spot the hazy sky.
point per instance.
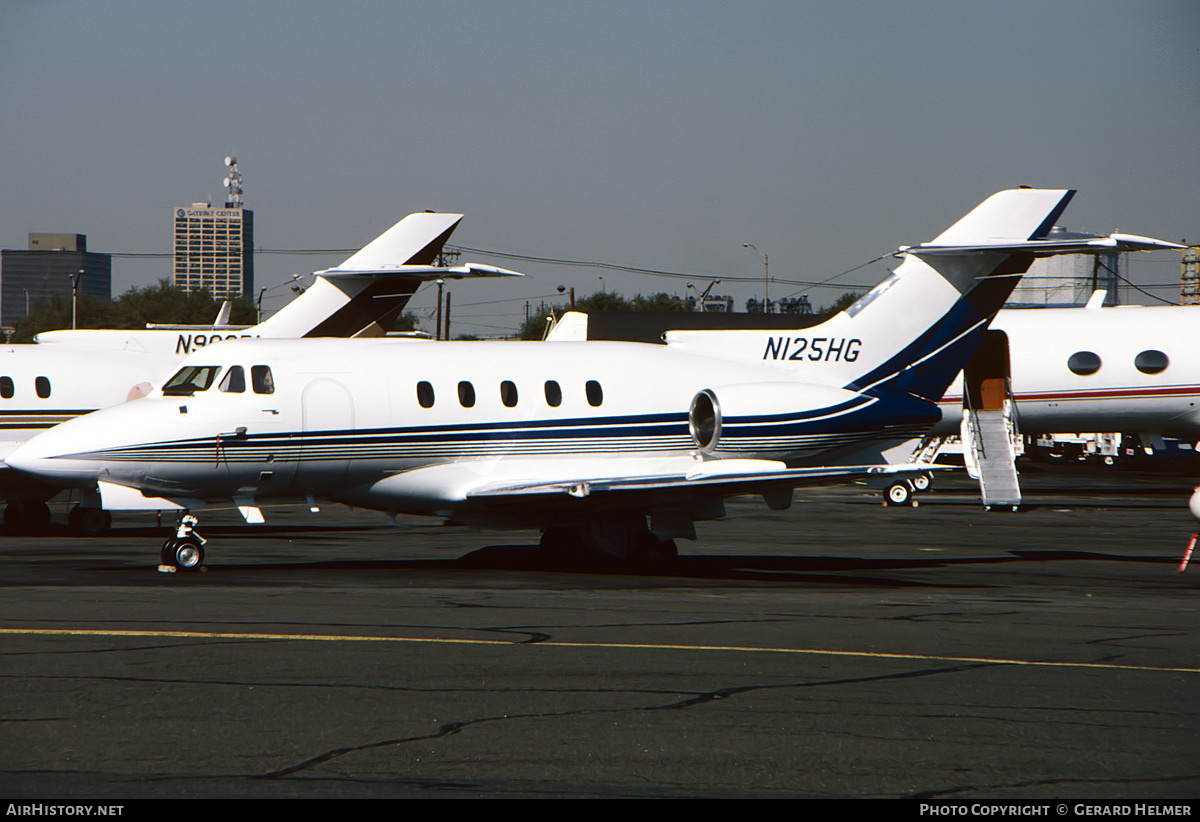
(659, 135)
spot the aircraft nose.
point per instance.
(56, 455)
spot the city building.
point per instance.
(50, 266)
(214, 247)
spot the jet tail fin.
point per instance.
(365, 293)
(915, 330)
(415, 240)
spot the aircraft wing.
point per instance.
(740, 476)
(523, 480)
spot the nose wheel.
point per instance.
(185, 550)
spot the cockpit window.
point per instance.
(190, 379)
(261, 379)
(235, 381)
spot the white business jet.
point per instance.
(583, 440)
(1129, 369)
(69, 373)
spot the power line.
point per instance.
(657, 272)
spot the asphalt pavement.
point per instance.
(837, 649)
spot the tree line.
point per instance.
(535, 326)
(162, 303)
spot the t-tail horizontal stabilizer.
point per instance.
(915, 331)
(360, 297)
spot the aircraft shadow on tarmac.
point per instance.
(848, 570)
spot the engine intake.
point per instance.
(704, 420)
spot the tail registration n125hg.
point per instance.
(613, 449)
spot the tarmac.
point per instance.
(837, 649)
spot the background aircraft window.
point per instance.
(1083, 363)
(425, 394)
(553, 394)
(235, 381)
(42, 386)
(508, 393)
(1151, 362)
(261, 379)
(6, 387)
(466, 394)
(190, 379)
(595, 393)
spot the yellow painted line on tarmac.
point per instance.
(638, 646)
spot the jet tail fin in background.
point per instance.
(365, 293)
(415, 240)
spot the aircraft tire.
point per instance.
(27, 516)
(92, 522)
(922, 482)
(899, 493)
(656, 552)
(186, 554)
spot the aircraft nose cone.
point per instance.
(49, 456)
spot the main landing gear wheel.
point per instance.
(27, 516)
(89, 521)
(621, 543)
(899, 493)
(921, 482)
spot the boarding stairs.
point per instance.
(988, 437)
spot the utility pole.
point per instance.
(437, 335)
(74, 294)
(766, 277)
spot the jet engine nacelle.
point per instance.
(766, 403)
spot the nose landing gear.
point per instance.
(185, 550)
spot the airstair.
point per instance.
(988, 430)
(987, 437)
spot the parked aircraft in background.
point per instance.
(583, 440)
(69, 373)
(1129, 369)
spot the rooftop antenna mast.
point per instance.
(233, 184)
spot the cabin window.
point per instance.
(425, 394)
(1083, 363)
(6, 388)
(42, 386)
(261, 379)
(553, 394)
(466, 394)
(595, 394)
(190, 379)
(508, 393)
(1151, 362)
(235, 381)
